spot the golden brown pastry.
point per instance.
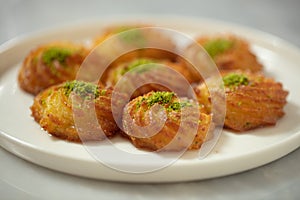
(54, 110)
(132, 42)
(110, 31)
(252, 100)
(165, 135)
(50, 64)
(150, 70)
(230, 53)
(145, 64)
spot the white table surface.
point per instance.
(20, 179)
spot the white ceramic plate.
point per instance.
(233, 153)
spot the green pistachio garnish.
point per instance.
(138, 66)
(234, 80)
(133, 36)
(121, 29)
(162, 98)
(56, 53)
(84, 89)
(176, 106)
(166, 99)
(217, 46)
(134, 64)
(103, 92)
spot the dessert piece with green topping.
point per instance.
(217, 46)
(161, 98)
(137, 66)
(144, 75)
(252, 100)
(51, 64)
(56, 53)
(83, 89)
(230, 52)
(162, 121)
(87, 116)
(165, 99)
(177, 106)
(142, 63)
(234, 80)
(133, 37)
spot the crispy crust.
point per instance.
(239, 56)
(52, 109)
(35, 76)
(163, 46)
(162, 79)
(168, 138)
(250, 106)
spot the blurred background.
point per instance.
(277, 180)
(277, 17)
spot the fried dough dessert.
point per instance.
(143, 70)
(57, 107)
(230, 53)
(134, 41)
(111, 30)
(168, 135)
(116, 74)
(50, 64)
(252, 100)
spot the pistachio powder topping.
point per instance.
(134, 64)
(83, 89)
(234, 80)
(217, 46)
(56, 53)
(165, 99)
(133, 36)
